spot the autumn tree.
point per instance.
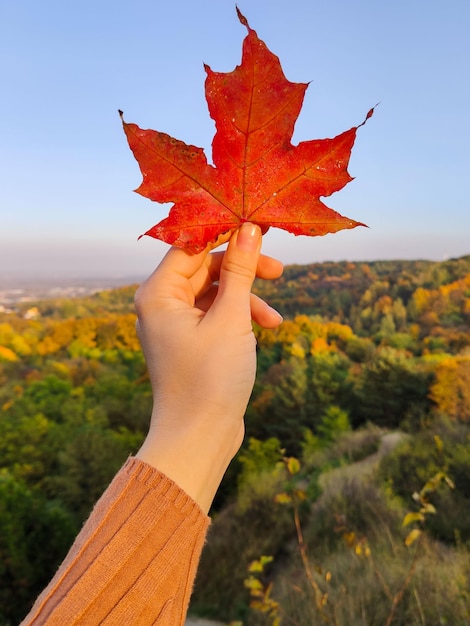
(451, 389)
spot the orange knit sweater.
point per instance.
(135, 560)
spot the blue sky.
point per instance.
(67, 175)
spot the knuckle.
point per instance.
(143, 301)
(239, 268)
(139, 300)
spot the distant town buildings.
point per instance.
(13, 296)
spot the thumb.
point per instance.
(238, 272)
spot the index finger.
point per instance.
(170, 283)
(268, 268)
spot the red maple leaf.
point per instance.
(258, 175)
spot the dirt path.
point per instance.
(332, 479)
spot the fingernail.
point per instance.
(248, 237)
(281, 319)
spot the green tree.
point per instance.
(333, 423)
(87, 463)
(390, 388)
(34, 536)
(328, 383)
(278, 409)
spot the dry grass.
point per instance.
(360, 584)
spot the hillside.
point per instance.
(365, 349)
(337, 289)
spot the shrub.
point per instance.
(413, 462)
(438, 592)
(239, 535)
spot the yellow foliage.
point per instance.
(384, 305)
(412, 536)
(6, 332)
(412, 517)
(126, 332)
(20, 345)
(47, 346)
(282, 498)
(264, 337)
(260, 564)
(318, 330)
(421, 298)
(288, 332)
(319, 345)
(86, 332)
(296, 350)
(11, 338)
(350, 538)
(430, 304)
(6, 354)
(451, 389)
(293, 465)
(303, 322)
(63, 333)
(343, 332)
(460, 285)
(61, 368)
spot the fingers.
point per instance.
(267, 269)
(169, 284)
(237, 273)
(264, 315)
(183, 278)
(261, 313)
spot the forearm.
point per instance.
(135, 559)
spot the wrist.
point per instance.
(195, 457)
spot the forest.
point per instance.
(349, 502)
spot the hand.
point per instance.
(194, 323)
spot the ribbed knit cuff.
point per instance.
(135, 559)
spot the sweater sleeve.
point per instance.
(135, 559)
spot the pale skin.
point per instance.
(194, 323)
